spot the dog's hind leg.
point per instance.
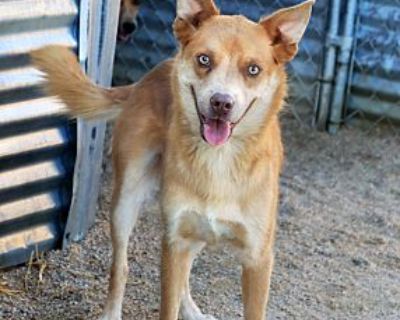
(133, 187)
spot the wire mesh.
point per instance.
(154, 42)
(373, 92)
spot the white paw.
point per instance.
(190, 311)
(207, 317)
(197, 316)
(107, 316)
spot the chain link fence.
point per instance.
(373, 89)
(364, 74)
(154, 41)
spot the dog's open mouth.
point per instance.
(215, 131)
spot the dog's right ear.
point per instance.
(190, 14)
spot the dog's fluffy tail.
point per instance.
(66, 80)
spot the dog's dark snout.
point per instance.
(128, 27)
(221, 103)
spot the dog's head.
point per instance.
(230, 68)
(127, 18)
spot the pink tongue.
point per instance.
(216, 132)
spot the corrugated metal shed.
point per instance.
(37, 144)
(43, 165)
(154, 42)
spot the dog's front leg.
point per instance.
(255, 286)
(189, 310)
(175, 269)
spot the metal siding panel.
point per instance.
(154, 42)
(31, 142)
(374, 86)
(19, 209)
(96, 51)
(31, 110)
(18, 246)
(37, 144)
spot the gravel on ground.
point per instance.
(337, 247)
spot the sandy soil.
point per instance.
(337, 249)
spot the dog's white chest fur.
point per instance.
(210, 225)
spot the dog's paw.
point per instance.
(207, 317)
(198, 316)
(110, 317)
(190, 311)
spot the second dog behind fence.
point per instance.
(127, 23)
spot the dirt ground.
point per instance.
(337, 248)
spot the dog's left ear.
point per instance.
(286, 27)
(190, 14)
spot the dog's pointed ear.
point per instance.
(190, 14)
(286, 27)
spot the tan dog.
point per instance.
(203, 126)
(127, 23)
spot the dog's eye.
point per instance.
(204, 60)
(253, 70)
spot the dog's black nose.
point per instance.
(221, 103)
(128, 27)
